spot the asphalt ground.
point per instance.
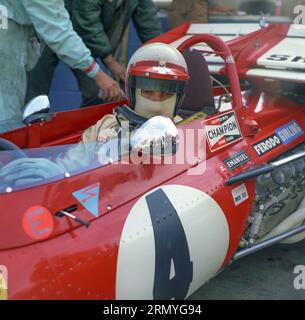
(265, 275)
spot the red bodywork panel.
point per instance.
(76, 262)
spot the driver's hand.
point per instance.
(28, 170)
(109, 89)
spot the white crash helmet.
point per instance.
(156, 67)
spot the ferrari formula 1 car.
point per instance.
(158, 230)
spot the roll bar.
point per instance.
(221, 48)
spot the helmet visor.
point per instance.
(161, 85)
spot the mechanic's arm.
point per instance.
(146, 20)
(53, 24)
(87, 18)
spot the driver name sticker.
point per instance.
(236, 160)
(38, 222)
(89, 198)
(240, 194)
(222, 130)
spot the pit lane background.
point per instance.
(265, 275)
(64, 93)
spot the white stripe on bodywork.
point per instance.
(206, 230)
(296, 30)
(231, 29)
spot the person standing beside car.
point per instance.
(194, 11)
(101, 24)
(20, 49)
(159, 94)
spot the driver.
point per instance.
(156, 79)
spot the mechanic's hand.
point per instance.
(118, 71)
(28, 170)
(110, 89)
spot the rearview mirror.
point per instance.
(158, 136)
(36, 109)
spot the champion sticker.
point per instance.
(289, 132)
(236, 160)
(222, 130)
(89, 198)
(267, 145)
(38, 222)
(240, 194)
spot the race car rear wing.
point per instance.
(276, 51)
(226, 32)
(285, 60)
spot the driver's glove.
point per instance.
(28, 170)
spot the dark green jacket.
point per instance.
(101, 24)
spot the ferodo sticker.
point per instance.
(240, 194)
(289, 132)
(222, 130)
(267, 145)
(236, 160)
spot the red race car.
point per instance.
(125, 230)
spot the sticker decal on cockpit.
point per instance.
(240, 194)
(289, 132)
(222, 130)
(89, 198)
(38, 223)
